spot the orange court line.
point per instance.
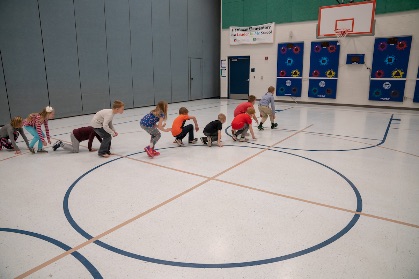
(319, 204)
(14, 156)
(278, 194)
(398, 151)
(62, 255)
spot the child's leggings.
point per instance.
(36, 138)
(155, 134)
(5, 142)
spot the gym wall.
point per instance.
(255, 12)
(353, 81)
(79, 56)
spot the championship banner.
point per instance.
(259, 34)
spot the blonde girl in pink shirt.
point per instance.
(33, 125)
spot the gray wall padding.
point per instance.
(179, 50)
(161, 50)
(60, 44)
(23, 58)
(79, 56)
(142, 52)
(91, 38)
(4, 105)
(119, 51)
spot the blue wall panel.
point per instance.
(289, 69)
(389, 67)
(387, 90)
(416, 96)
(324, 68)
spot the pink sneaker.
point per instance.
(156, 153)
(149, 151)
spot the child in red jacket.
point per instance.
(241, 123)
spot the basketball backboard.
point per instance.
(357, 18)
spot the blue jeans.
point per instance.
(36, 138)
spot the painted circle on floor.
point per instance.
(85, 262)
(308, 250)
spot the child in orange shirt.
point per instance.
(241, 123)
(179, 130)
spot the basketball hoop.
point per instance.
(341, 34)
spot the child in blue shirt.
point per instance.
(152, 123)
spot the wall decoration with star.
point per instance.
(289, 69)
(389, 68)
(324, 66)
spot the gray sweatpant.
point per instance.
(74, 146)
(243, 130)
(154, 133)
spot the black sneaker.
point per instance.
(204, 140)
(274, 126)
(57, 145)
(260, 127)
(42, 151)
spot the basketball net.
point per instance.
(341, 34)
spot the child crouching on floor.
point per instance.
(213, 131)
(179, 130)
(10, 132)
(241, 123)
(152, 123)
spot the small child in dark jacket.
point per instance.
(213, 131)
(77, 136)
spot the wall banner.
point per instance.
(259, 34)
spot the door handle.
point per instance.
(247, 80)
(191, 78)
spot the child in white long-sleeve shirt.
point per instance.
(102, 124)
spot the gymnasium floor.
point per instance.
(332, 193)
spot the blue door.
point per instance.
(238, 78)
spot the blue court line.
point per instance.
(93, 271)
(326, 242)
(327, 150)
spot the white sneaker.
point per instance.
(179, 142)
